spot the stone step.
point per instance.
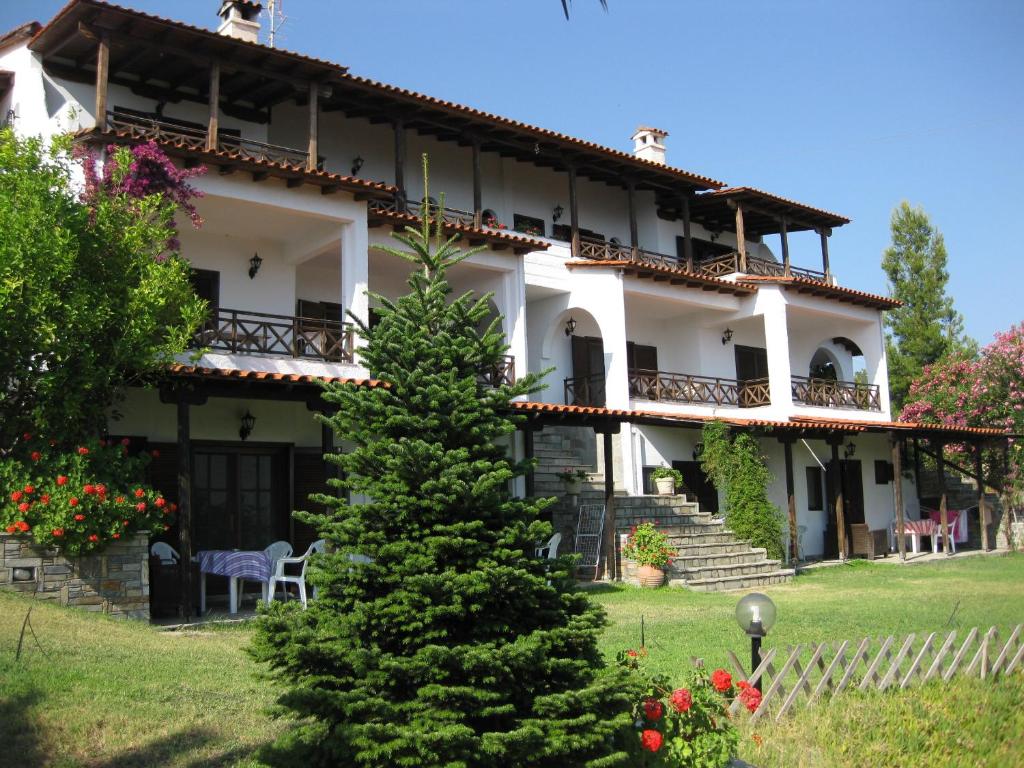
(681, 565)
(691, 539)
(726, 584)
(678, 500)
(728, 571)
(667, 524)
(705, 550)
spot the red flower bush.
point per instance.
(749, 696)
(681, 700)
(722, 680)
(62, 499)
(651, 740)
(653, 709)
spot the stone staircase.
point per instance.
(709, 557)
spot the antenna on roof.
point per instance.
(275, 9)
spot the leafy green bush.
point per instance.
(647, 545)
(735, 464)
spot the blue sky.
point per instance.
(849, 106)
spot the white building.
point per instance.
(660, 298)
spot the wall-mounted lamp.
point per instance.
(248, 422)
(357, 163)
(570, 326)
(698, 451)
(850, 450)
(556, 214)
(727, 336)
(254, 265)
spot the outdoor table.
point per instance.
(234, 564)
(915, 529)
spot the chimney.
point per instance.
(241, 20)
(649, 144)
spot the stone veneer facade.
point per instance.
(115, 581)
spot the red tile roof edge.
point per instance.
(735, 191)
(838, 291)
(536, 245)
(180, 369)
(735, 287)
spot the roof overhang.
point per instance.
(472, 236)
(810, 287)
(763, 213)
(667, 275)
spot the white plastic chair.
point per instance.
(275, 552)
(550, 550)
(280, 577)
(951, 519)
(167, 554)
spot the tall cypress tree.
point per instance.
(455, 646)
(927, 327)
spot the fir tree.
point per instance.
(927, 327)
(455, 646)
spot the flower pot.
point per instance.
(666, 486)
(572, 487)
(650, 576)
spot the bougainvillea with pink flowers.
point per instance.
(982, 391)
(79, 498)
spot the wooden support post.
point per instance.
(314, 122)
(741, 241)
(982, 512)
(943, 508)
(400, 196)
(184, 455)
(837, 487)
(687, 237)
(824, 233)
(574, 213)
(608, 539)
(213, 125)
(634, 236)
(478, 193)
(897, 490)
(784, 236)
(102, 78)
(794, 548)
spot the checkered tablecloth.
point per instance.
(253, 566)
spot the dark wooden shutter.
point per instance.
(751, 363)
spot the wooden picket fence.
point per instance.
(817, 672)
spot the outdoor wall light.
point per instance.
(850, 450)
(727, 336)
(698, 451)
(755, 614)
(254, 265)
(556, 214)
(570, 326)
(357, 163)
(248, 422)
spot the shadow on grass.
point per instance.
(174, 748)
(601, 588)
(19, 731)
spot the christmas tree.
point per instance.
(454, 645)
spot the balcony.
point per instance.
(501, 375)
(698, 390)
(604, 250)
(585, 390)
(828, 393)
(729, 264)
(452, 216)
(258, 333)
(190, 137)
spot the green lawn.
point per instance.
(116, 694)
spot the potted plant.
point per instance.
(667, 480)
(648, 548)
(572, 477)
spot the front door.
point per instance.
(239, 497)
(849, 474)
(587, 371)
(699, 484)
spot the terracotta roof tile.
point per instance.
(178, 369)
(490, 234)
(730, 192)
(817, 287)
(691, 279)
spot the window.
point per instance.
(751, 363)
(528, 225)
(641, 357)
(206, 284)
(884, 473)
(815, 486)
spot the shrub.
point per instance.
(78, 499)
(647, 545)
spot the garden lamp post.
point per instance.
(755, 614)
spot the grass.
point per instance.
(103, 693)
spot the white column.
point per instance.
(776, 335)
(355, 272)
(513, 300)
(881, 378)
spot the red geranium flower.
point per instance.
(653, 709)
(722, 680)
(79, 517)
(139, 493)
(62, 479)
(93, 537)
(115, 536)
(101, 488)
(36, 455)
(73, 501)
(632, 654)
(174, 507)
(155, 453)
(124, 523)
(26, 436)
(45, 498)
(22, 526)
(651, 740)
(12, 528)
(120, 499)
(89, 488)
(24, 506)
(141, 506)
(30, 489)
(16, 496)
(125, 441)
(161, 502)
(751, 698)
(57, 532)
(82, 450)
(681, 700)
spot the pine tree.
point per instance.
(927, 327)
(455, 646)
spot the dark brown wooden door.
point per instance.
(849, 474)
(588, 370)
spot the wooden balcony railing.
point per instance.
(501, 375)
(704, 390)
(585, 390)
(259, 333)
(828, 393)
(450, 215)
(729, 263)
(603, 250)
(140, 127)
